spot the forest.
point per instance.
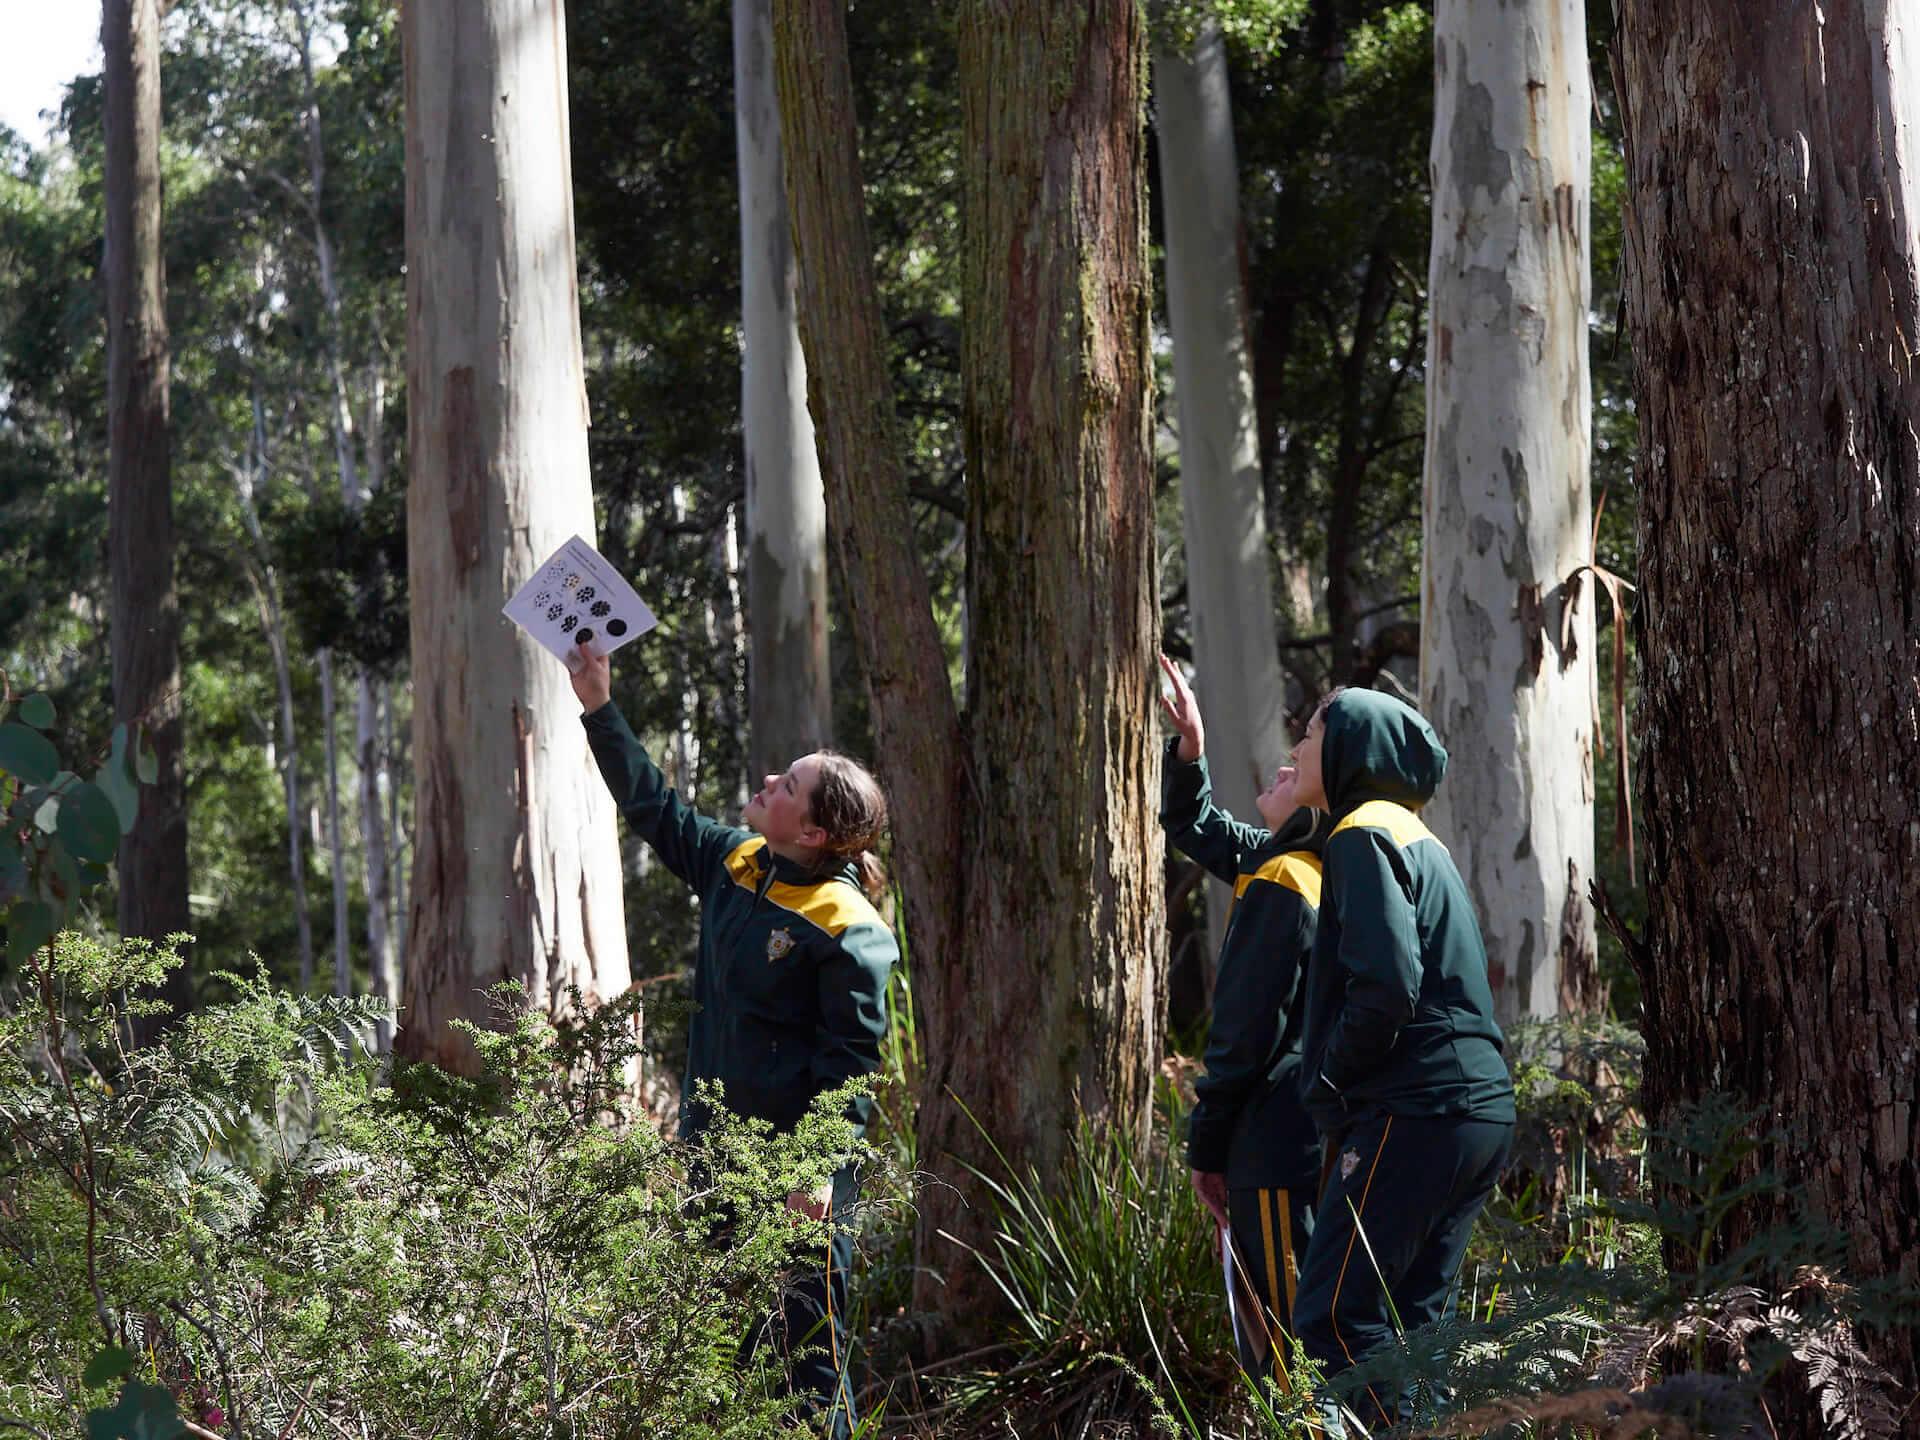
(1544, 372)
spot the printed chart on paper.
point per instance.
(576, 595)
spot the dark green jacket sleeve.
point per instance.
(853, 1010)
(687, 842)
(1267, 940)
(1198, 828)
(1370, 890)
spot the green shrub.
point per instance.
(290, 1243)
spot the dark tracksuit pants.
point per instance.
(1415, 1184)
(808, 1329)
(1270, 1231)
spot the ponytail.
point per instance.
(850, 806)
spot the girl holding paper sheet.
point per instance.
(791, 981)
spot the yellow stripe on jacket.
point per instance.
(1297, 870)
(1401, 824)
(834, 905)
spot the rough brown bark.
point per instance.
(1772, 296)
(146, 606)
(1034, 907)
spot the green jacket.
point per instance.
(1247, 1120)
(791, 981)
(1399, 1015)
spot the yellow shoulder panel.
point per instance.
(1297, 870)
(1401, 824)
(740, 862)
(833, 905)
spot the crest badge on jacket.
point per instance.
(778, 944)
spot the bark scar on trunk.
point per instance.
(466, 474)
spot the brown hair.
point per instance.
(849, 805)
(1320, 710)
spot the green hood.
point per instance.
(1377, 748)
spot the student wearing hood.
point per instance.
(1254, 1156)
(1403, 1066)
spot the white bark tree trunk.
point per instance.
(247, 477)
(788, 678)
(376, 781)
(1229, 579)
(1507, 519)
(516, 860)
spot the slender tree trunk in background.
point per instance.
(1229, 581)
(376, 781)
(787, 671)
(354, 497)
(1771, 264)
(1506, 672)
(247, 479)
(516, 859)
(336, 849)
(145, 625)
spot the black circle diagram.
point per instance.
(616, 628)
(584, 636)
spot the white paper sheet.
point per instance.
(575, 595)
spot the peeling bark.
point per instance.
(516, 861)
(1506, 673)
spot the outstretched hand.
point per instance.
(1184, 712)
(592, 677)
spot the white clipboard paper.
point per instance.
(576, 595)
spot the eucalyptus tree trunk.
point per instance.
(1771, 287)
(247, 478)
(145, 616)
(1506, 659)
(1033, 885)
(340, 412)
(788, 679)
(1229, 580)
(373, 758)
(516, 863)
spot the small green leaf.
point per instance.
(89, 825)
(28, 754)
(108, 1366)
(59, 877)
(146, 764)
(120, 791)
(37, 711)
(47, 815)
(30, 924)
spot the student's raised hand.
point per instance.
(1184, 712)
(592, 677)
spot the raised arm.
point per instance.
(1197, 827)
(689, 844)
